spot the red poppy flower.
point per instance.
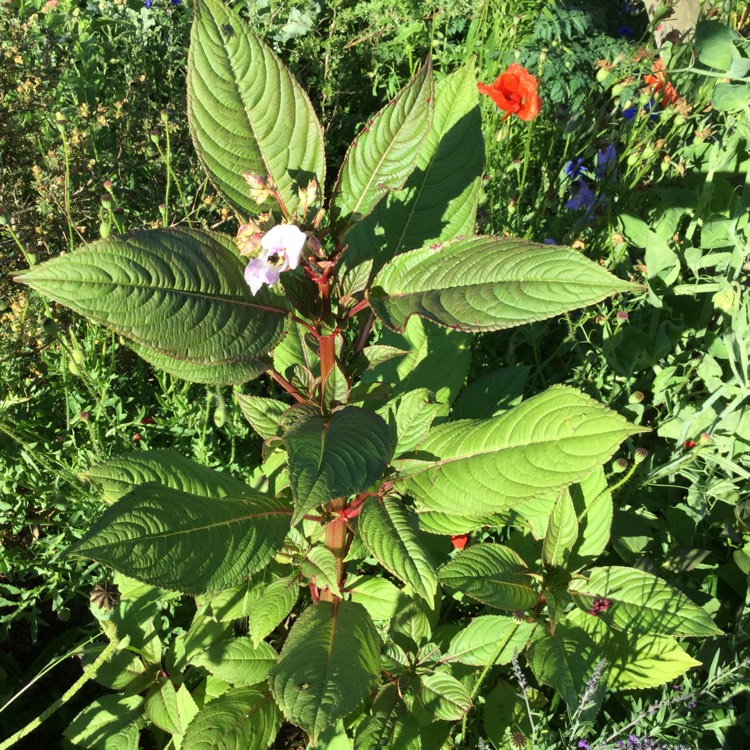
(657, 81)
(459, 541)
(514, 91)
(690, 444)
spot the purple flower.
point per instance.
(626, 31)
(606, 161)
(576, 169)
(583, 744)
(583, 197)
(549, 241)
(148, 3)
(281, 249)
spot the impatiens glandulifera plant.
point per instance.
(337, 554)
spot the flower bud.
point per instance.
(704, 439)
(619, 465)
(107, 185)
(641, 454)
(154, 135)
(622, 316)
(261, 189)
(315, 247)
(636, 397)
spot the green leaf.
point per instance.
(244, 718)
(337, 457)
(439, 200)
(171, 709)
(237, 660)
(378, 596)
(443, 696)
(234, 603)
(564, 660)
(478, 467)
(385, 152)
(109, 723)
(488, 283)
(413, 415)
(634, 661)
(730, 97)
(429, 348)
(389, 531)
(562, 532)
(320, 564)
(492, 394)
(492, 574)
(715, 44)
(327, 665)
(595, 510)
(641, 603)
(186, 542)
(117, 476)
(389, 726)
(262, 413)
(276, 602)
(294, 352)
(489, 639)
(122, 670)
(178, 294)
(247, 113)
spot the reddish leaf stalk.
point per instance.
(286, 385)
(336, 541)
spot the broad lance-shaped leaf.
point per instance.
(476, 468)
(178, 294)
(117, 476)
(389, 531)
(390, 724)
(245, 717)
(383, 155)
(276, 602)
(562, 531)
(171, 709)
(641, 603)
(185, 542)
(439, 200)
(237, 660)
(492, 574)
(327, 666)
(489, 639)
(335, 458)
(247, 113)
(444, 697)
(488, 283)
(633, 661)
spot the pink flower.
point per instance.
(281, 249)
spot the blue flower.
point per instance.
(626, 31)
(583, 197)
(148, 3)
(576, 169)
(549, 241)
(606, 161)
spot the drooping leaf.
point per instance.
(488, 283)
(185, 542)
(389, 532)
(444, 697)
(245, 717)
(492, 574)
(489, 639)
(478, 467)
(117, 476)
(337, 457)
(639, 603)
(233, 603)
(384, 154)
(327, 666)
(714, 43)
(111, 722)
(171, 709)
(247, 113)
(272, 607)
(389, 726)
(178, 294)
(294, 352)
(562, 531)
(439, 200)
(123, 670)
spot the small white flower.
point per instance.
(281, 249)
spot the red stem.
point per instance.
(287, 386)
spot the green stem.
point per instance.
(87, 675)
(66, 154)
(482, 677)
(170, 173)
